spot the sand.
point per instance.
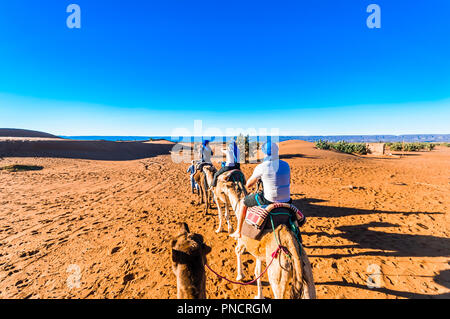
(18, 133)
(103, 212)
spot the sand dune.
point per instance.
(11, 132)
(107, 222)
(94, 150)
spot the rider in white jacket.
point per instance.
(275, 175)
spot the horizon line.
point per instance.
(310, 135)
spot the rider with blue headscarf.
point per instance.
(232, 155)
(205, 153)
(275, 175)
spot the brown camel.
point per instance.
(289, 277)
(188, 254)
(204, 179)
(229, 193)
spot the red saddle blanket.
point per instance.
(257, 218)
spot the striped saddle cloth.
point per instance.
(256, 220)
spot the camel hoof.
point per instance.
(239, 277)
(218, 230)
(258, 297)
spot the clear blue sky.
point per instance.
(147, 67)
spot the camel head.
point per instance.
(188, 262)
(209, 171)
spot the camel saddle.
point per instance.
(199, 166)
(260, 218)
(234, 175)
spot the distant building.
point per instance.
(376, 148)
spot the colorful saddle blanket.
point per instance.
(257, 219)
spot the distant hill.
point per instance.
(436, 138)
(12, 132)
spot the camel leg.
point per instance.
(205, 191)
(239, 250)
(258, 282)
(200, 194)
(219, 209)
(309, 289)
(227, 217)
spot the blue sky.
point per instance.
(148, 67)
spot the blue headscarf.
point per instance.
(204, 143)
(270, 150)
(232, 146)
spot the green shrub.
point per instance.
(250, 148)
(21, 168)
(344, 147)
(323, 145)
(410, 147)
(395, 146)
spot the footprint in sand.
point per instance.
(115, 250)
(127, 278)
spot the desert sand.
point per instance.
(103, 213)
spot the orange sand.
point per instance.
(110, 209)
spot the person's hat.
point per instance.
(270, 149)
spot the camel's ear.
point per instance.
(206, 249)
(173, 242)
(198, 238)
(186, 227)
(181, 228)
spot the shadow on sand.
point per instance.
(312, 210)
(288, 156)
(365, 236)
(386, 244)
(401, 294)
(91, 150)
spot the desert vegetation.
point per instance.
(410, 147)
(344, 147)
(250, 148)
(21, 168)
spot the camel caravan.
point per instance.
(268, 226)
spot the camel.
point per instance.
(188, 252)
(204, 179)
(229, 193)
(289, 277)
